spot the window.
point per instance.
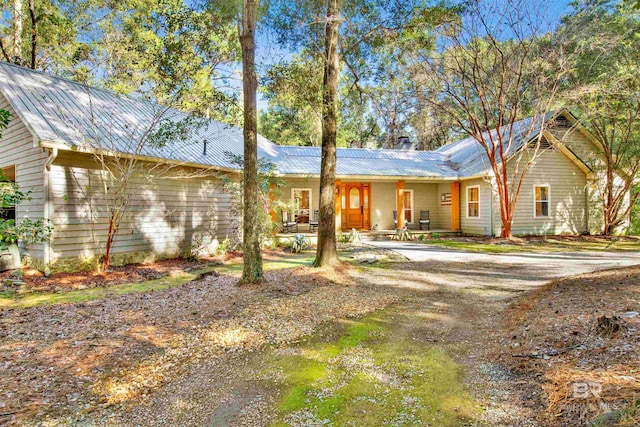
(8, 175)
(301, 204)
(541, 201)
(354, 198)
(473, 202)
(408, 206)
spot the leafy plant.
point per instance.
(403, 234)
(435, 235)
(343, 238)
(28, 230)
(223, 247)
(268, 183)
(300, 242)
(634, 228)
(352, 237)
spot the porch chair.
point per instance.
(288, 226)
(424, 219)
(314, 223)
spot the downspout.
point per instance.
(47, 208)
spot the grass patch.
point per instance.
(370, 374)
(14, 300)
(11, 299)
(539, 246)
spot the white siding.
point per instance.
(481, 225)
(568, 197)
(17, 149)
(163, 217)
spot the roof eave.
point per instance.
(84, 150)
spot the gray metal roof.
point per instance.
(468, 158)
(365, 162)
(74, 115)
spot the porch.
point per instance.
(371, 206)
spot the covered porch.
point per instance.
(387, 205)
(378, 206)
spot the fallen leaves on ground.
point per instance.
(555, 345)
(132, 273)
(74, 358)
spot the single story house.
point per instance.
(58, 126)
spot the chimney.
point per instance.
(404, 143)
(204, 149)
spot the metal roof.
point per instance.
(468, 158)
(78, 116)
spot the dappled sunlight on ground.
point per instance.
(207, 352)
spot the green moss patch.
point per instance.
(369, 373)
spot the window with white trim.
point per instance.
(408, 206)
(473, 202)
(301, 205)
(7, 179)
(541, 201)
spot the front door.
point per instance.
(355, 206)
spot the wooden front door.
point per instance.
(357, 205)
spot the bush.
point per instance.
(635, 216)
(28, 230)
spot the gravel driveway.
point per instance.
(515, 271)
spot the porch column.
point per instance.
(400, 203)
(338, 205)
(455, 206)
(272, 198)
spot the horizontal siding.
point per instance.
(568, 197)
(163, 216)
(427, 197)
(16, 149)
(482, 225)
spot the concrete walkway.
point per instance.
(516, 271)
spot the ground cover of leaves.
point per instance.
(36, 281)
(397, 343)
(413, 363)
(553, 342)
(66, 359)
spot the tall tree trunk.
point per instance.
(252, 271)
(34, 33)
(17, 32)
(327, 253)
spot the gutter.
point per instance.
(75, 149)
(47, 205)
